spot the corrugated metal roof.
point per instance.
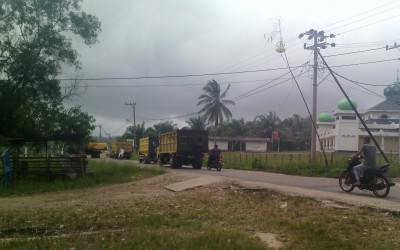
(386, 105)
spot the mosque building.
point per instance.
(343, 131)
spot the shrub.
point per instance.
(258, 164)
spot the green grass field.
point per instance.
(121, 208)
(103, 173)
(298, 163)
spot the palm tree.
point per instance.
(267, 123)
(130, 131)
(163, 127)
(198, 123)
(214, 109)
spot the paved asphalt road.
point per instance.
(310, 183)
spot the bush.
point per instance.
(258, 164)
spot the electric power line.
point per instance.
(355, 52)
(356, 64)
(367, 25)
(357, 15)
(167, 76)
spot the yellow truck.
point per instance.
(126, 146)
(148, 150)
(183, 147)
(94, 149)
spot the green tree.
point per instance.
(267, 123)
(129, 132)
(164, 127)
(234, 128)
(198, 123)
(151, 132)
(214, 105)
(35, 45)
(295, 133)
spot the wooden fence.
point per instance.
(49, 168)
(292, 157)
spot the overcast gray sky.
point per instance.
(146, 38)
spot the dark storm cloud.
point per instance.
(160, 38)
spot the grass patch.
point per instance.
(103, 173)
(332, 170)
(223, 217)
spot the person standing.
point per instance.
(7, 168)
(121, 153)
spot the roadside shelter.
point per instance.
(48, 157)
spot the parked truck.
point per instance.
(183, 147)
(126, 146)
(148, 150)
(94, 149)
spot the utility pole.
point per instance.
(319, 42)
(100, 139)
(395, 46)
(133, 104)
(109, 135)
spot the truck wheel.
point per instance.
(172, 163)
(175, 163)
(197, 164)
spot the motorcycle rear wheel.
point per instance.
(381, 187)
(345, 182)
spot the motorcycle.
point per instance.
(215, 163)
(375, 180)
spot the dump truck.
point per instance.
(148, 150)
(94, 149)
(127, 146)
(183, 147)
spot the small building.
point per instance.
(239, 143)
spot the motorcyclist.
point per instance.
(369, 153)
(214, 155)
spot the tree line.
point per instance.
(294, 132)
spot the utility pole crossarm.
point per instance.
(395, 46)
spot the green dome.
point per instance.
(345, 105)
(325, 117)
(392, 91)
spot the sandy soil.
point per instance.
(103, 195)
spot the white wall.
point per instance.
(347, 132)
(256, 146)
(221, 145)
